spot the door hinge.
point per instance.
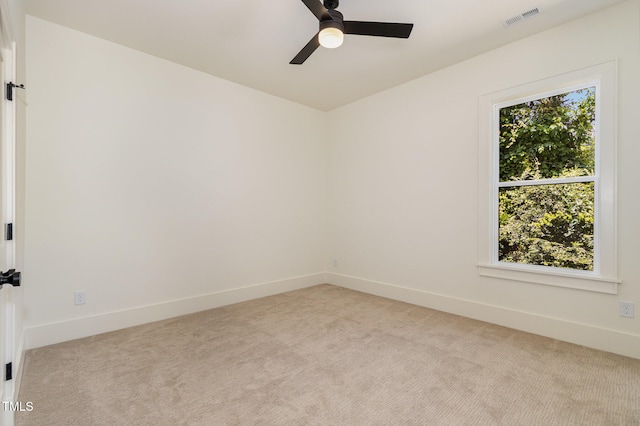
(8, 371)
(8, 231)
(10, 86)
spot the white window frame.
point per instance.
(604, 276)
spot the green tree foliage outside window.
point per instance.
(547, 223)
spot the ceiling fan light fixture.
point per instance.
(333, 27)
(331, 34)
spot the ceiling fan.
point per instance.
(333, 28)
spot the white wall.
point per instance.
(159, 190)
(403, 187)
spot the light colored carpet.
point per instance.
(326, 356)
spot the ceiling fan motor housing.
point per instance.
(336, 21)
(331, 24)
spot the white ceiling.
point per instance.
(251, 42)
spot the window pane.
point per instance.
(549, 225)
(548, 137)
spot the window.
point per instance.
(547, 181)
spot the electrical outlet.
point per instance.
(335, 263)
(80, 297)
(626, 309)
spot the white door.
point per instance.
(4, 293)
(7, 212)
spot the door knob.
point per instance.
(10, 277)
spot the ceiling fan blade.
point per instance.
(379, 29)
(306, 51)
(317, 8)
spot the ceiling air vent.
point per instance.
(522, 16)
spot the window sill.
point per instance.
(532, 274)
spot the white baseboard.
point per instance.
(48, 334)
(614, 341)
(608, 340)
